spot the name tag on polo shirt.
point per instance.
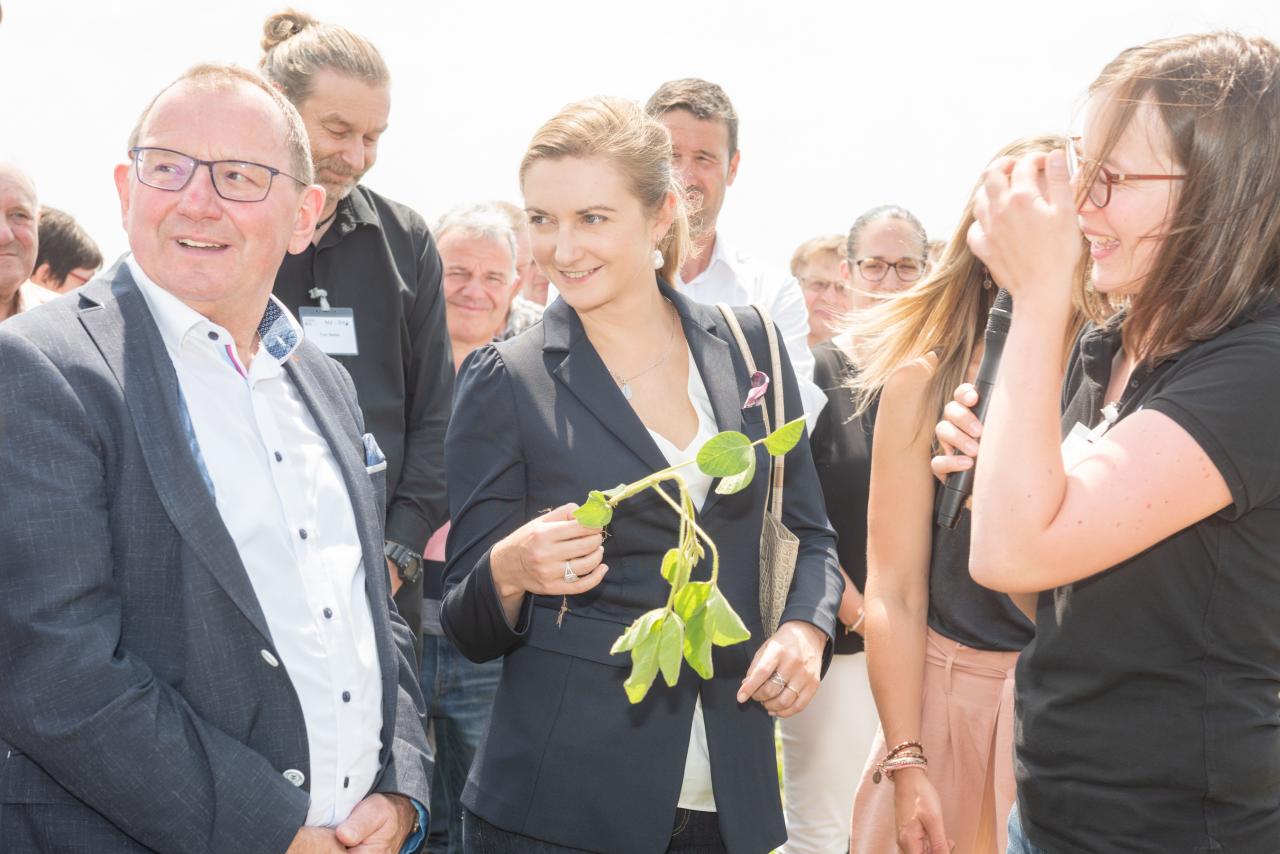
(333, 330)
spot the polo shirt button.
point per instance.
(295, 777)
(269, 658)
(279, 456)
(302, 532)
(346, 696)
(328, 613)
(346, 782)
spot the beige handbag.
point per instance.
(778, 546)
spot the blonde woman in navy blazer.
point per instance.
(583, 402)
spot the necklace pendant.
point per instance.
(626, 390)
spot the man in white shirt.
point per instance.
(201, 651)
(704, 136)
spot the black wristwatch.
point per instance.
(408, 562)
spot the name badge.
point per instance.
(333, 330)
(1080, 440)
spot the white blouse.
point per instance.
(696, 792)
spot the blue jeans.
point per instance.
(1018, 841)
(459, 695)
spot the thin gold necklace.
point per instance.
(625, 383)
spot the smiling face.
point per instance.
(890, 240)
(700, 153)
(589, 233)
(478, 287)
(1125, 236)
(345, 119)
(19, 216)
(216, 255)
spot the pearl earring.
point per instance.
(658, 260)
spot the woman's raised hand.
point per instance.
(1025, 227)
(959, 429)
(552, 555)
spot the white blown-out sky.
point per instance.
(844, 104)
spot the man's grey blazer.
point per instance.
(142, 703)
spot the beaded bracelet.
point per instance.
(908, 754)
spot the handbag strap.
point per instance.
(773, 502)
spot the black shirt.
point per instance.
(379, 258)
(1148, 715)
(842, 456)
(960, 608)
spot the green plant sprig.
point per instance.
(696, 616)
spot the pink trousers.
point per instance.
(966, 728)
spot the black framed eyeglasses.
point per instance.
(233, 180)
(1099, 192)
(875, 269)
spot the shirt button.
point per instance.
(346, 782)
(295, 777)
(302, 532)
(269, 658)
(328, 613)
(213, 336)
(346, 696)
(279, 456)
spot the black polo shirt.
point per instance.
(1147, 704)
(379, 259)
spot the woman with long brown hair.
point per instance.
(1148, 701)
(940, 649)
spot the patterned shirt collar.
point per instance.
(278, 332)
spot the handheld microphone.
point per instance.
(959, 484)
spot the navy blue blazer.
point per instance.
(537, 422)
(143, 705)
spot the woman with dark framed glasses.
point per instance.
(1149, 699)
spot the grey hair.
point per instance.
(214, 76)
(485, 221)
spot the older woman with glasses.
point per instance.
(827, 297)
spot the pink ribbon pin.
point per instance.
(759, 385)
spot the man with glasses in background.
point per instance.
(368, 286)
(704, 136)
(200, 651)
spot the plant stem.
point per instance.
(715, 554)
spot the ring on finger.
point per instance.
(569, 575)
(790, 688)
(776, 679)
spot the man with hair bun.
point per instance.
(704, 137)
(368, 288)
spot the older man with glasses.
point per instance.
(201, 650)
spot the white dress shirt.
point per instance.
(733, 278)
(283, 500)
(695, 792)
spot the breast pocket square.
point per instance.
(374, 459)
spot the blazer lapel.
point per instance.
(726, 383)
(583, 373)
(335, 416)
(115, 315)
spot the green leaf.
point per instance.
(596, 513)
(723, 623)
(692, 599)
(636, 632)
(739, 481)
(697, 644)
(725, 454)
(644, 667)
(669, 644)
(785, 437)
(676, 568)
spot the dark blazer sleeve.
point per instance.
(417, 505)
(486, 476)
(408, 769)
(818, 584)
(90, 714)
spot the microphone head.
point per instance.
(1001, 315)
